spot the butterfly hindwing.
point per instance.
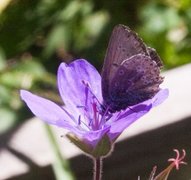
(136, 80)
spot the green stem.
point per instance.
(97, 168)
(60, 166)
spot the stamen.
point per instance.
(79, 120)
(86, 93)
(88, 127)
(90, 122)
(80, 106)
(72, 117)
(105, 116)
(88, 86)
(82, 124)
(96, 123)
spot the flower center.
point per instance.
(92, 109)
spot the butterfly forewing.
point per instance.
(154, 56)
(123, 44)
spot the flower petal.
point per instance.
(71, 80)
(46, 109)
(124, 119)
(90, 137)
(160, 97)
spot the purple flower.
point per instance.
(79, 85)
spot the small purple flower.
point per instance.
(79, 85)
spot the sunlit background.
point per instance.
(37, 35)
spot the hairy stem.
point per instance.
(97, 168)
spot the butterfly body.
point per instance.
(131, 71)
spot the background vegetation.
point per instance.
(37, 35)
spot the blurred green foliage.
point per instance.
(36, 35)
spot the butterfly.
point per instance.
(131, 70)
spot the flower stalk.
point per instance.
(98, 168)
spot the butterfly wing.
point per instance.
(123, 44)
(127, 53)
(136, 80)
(154, 56)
